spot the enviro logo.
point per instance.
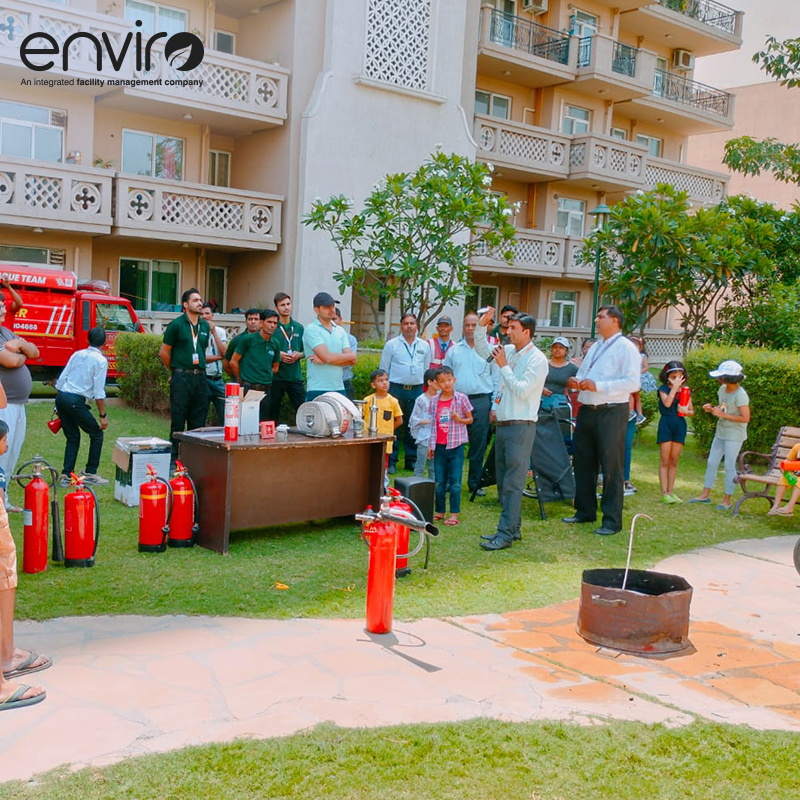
(184, 51)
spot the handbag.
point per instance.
(55, 422)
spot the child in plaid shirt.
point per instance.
(451, 412)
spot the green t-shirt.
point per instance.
(289, 337)
(231, 348)
(258, 356)
(730, 403)
(180, 336)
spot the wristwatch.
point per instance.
(103, 416)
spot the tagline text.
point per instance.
(101, 82)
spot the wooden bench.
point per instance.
(788, 437)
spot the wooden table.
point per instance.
(256, 483)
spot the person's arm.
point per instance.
(276, 359)
(28, 349)
(398, 421)
(386, 357)
(165, 354)
(343, 359)
(16, 300)
(101, 410)
(226, 359)
(482, 346)
(3, 398)
(687, 410)
(674, 388)
(235, 364)
(467, 418)
(629, 380)
(99, 382)
(743, 415)
(218, 342)
(532, 379)
(10, 357)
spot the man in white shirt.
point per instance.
(523, 370)
(609, 373)
(84, 378)
(215, 352)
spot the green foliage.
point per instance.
(415, 236)
(650, 408)
(361, 372)
(143, 380)
(772, 382)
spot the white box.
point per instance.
(131, 456)
(249, 415)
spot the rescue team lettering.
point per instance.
(16, 277)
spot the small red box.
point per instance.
(268, 429)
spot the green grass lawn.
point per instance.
(477, 760)
(324, 564)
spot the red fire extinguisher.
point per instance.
(37, 514)
(81, 525)
(155, 507)
(182, 525)
(232, 407)
(399, 503)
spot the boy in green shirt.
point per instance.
(289, 378)
(256, 360)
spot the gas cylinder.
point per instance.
(155, 505)
(81, 526)
(398, 503)
(182, 527)
(683, 398)
(232, 403)
(36, 522)
(382, 539)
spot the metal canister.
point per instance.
(683, 398)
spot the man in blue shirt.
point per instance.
(405, 358)
(327, 349)
(84, 378)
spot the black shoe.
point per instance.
(575, 520)
(605, 531)
(517, 537)
(495, 544)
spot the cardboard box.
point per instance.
(131, 456)
(248, 418)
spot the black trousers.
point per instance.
(297, 396)
(406, 398)
(188, 403)
(216, 394)
(76, 416)
(600, 444)
(478, 434)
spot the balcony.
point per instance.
(684, 106)
(614, 164)
(703, 26)
(151, 208)
(20, 19)
(523, 152)
(41, 194)
(704, 186)
(536, 253)
(524, 52)
(238, 95)
(613, 70)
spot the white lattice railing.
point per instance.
(704, 187)
(515, 144)
(231, 82)
(535, 251)
(595, 157)
(157, 321)
(55, 195)
(193, 212)
(20, 19)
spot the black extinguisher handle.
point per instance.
(96, 519)
(196, 526)
(170, 506)
(58, 544)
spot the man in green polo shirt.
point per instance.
(289, 378)
(256, 360)
(184, 354)
(253, 320)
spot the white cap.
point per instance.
(732, 369)
(563, 341)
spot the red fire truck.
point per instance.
(59, 311)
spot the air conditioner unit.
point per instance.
(535, 6)
(682, 60)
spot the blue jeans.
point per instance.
(449, 466)
(630, 435)
(422, 460)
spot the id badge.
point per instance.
(195, 358)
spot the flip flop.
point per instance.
(451, 522)
(16, 700)
(438, 517)
(26, 668)
(781, 513)
(698, 500)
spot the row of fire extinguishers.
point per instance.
(167, 511)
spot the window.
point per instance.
(18, 254)
(31, 131)
(619, 133)
(481, 296)
(662, 77)
(216, 284)
(224, 42)
(571, 214)
(113, 317)
(576, 120)
(652, 144)
(151, 154)
(584, 24)
(563, 309)
(150, 285)
(495, 105)
(219, 168)
(508, 7)
(155, 18)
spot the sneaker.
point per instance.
(629, 489)
(632, 416)
(65, 480)
(667, 499)
(93, 479)
(640, 418)
(675, 498)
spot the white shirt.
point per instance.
(474, 375)
(615, 365)
(214, 368)
(406, 363)
(85, 374)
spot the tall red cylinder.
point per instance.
(232, 402)
(80, 530)
(153, 513)
(181, 518)
(683, 398)
(37, 523)
(382, 538)
(401, 566)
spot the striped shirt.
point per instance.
(456, 431)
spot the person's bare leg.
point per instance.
(776, 503)
(663, 467)
(672, 469)
(788, 509)
(12, 657)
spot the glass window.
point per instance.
(169, 158)
(571, 214)
(496, 105)
(584, 24)
(576, 120)
(652, 144)
(23, 111)
(224, 42)
(19, 254)
(171, 20)
(146, 12)
(155, 18)
(619, 133)
(563, 308)
(481, 296)
(134, 283)
(215, 287)
(26, 132)
(219, 168)
(16, 140)
(47, 143)
(482, 102)
(149, 154)
(149, 285)
(165, 285)
(114, 317)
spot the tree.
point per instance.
(416, 234)
(747, 155)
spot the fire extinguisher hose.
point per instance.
(427, 535)
(58, 544)
(171, 505)
(96, 520)
(196, 526)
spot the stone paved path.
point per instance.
(124, 686)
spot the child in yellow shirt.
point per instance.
(390, 415)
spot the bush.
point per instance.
(143, 380)
(772, 382)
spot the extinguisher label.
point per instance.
(27, 517)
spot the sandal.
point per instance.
(451, 522)
(782, 512)
(16, 700)
(438, 517)
(28, 666)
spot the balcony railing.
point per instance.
(531, 38)
(604, 157)
(191, 212)
(701, 185)
(706, 11)
(623, 60)
(678, 89)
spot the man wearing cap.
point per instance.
(441, 343)
(327, 349)
(478, 379)
(405, 358)
(609, 373)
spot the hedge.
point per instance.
(772, 382)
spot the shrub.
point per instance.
(143, 380)
(772, 382)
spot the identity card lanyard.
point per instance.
(606, 346)
(411, 354)
(195, 335)
(289, 339)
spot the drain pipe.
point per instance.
(630, 548)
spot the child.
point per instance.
(780, 489)
(420, 425)
(648, 383)
(451, 412)
(733, 412)
(390, 415)
(671, 427)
